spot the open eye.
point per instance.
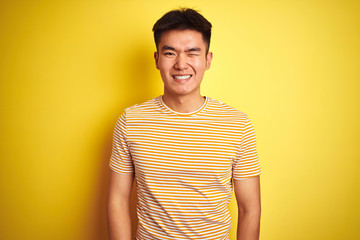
(169, 54)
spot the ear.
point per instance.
(209, 57)
(156, 57)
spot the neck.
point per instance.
(183, 104)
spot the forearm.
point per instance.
(248, 224)
(119, 221)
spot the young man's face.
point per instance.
(182, 61)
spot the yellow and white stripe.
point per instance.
(184, 163)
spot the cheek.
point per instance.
(200, 66)
(164, 65)
(199, 63)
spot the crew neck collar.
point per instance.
(180, 113)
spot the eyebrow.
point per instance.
(164, 48)
(193, 50)
(196, 49)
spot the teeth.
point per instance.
(182, 77)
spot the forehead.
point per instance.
(182, 39)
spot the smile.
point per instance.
(182, 77)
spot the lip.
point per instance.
(182, 77)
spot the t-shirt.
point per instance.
(184, 164)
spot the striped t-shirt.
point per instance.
(184, 164)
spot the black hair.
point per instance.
(183, 19)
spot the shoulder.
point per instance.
(223, 109)
(141, 109)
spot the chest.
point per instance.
(192, 147)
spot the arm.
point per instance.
(118, 209)
(247, 192)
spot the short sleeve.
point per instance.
(121, 161)
(247, 163)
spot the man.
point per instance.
(185, 151)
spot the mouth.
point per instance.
(182, 77)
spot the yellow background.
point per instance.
(69, 68)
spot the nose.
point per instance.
(181, 62)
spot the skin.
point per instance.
(247, 194)
(182, 53)
(118, 206)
